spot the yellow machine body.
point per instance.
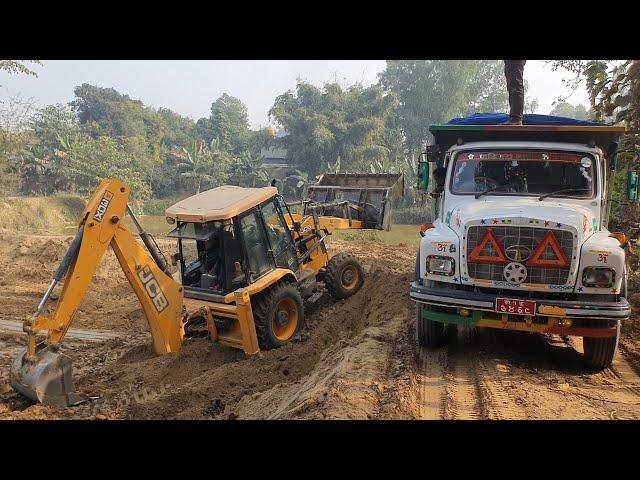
(43, 373)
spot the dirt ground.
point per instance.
(356, 359)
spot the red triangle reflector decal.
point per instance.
(476, 255)
(561, 260)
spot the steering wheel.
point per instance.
(485, 180)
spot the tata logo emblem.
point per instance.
(153, 289)
(518, 253)
(104, 204)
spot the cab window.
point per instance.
(255, 244)
(279, 236)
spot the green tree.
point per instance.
(434, 91)
(18, 66)
(86, 161)
(203, 165)
(355, 124)
(51, 122)
(614, 93)
(106, 112)
(38, 165)
(247, 170)
(228, 123)
(15, 138)
(565, 109)
(147, 135)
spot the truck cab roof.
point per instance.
(603, 137)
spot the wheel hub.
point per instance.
(348, 276)
(282, 318)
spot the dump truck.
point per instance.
(245, 265)
(520, 240)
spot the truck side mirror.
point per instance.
(423, 175)
(632, 186)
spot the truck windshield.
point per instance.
(561, 174)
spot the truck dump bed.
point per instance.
(365, 197)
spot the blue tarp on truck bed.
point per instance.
(528, 119)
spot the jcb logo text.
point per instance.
(153, 289)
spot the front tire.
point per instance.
(278, 315)
(344, 276)
(430, 333)
(600, 352)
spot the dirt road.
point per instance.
(355, 359)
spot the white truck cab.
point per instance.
(519, 240)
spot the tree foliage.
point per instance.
(85, 161)
(228, 123)
(18, 67)
(614, 93)
(355, 125)
(434, 91)
(565, 109)
(203, 165)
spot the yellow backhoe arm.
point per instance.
(159, 294)
(41, 371)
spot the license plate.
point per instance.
(515, 307)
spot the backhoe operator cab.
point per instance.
(244, 241)
(220, 255)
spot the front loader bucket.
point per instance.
(46, 378)
(370, 195)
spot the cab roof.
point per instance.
(600, 136)
(220, 203)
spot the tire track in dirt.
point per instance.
(431, 383)
(498, 402)
(464, 399)
(15, 327)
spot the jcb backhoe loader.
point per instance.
(245, 265)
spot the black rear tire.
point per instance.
(430, 333)
(344, 276)
(600, 352)
(278, 315)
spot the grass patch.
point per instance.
(40, 214)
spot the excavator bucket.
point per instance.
(46, 378)
(357, 196)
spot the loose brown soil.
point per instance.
(356, 358)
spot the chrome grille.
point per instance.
(529, 237)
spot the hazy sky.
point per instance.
(189, 87)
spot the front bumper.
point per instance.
(592, 319)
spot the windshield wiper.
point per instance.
(566, 190)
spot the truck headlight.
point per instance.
(598, 277)
(441, 265)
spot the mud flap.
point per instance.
(46, 378)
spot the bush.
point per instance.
(156, 206)
(412, 215)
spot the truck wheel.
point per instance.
(430, 333)
(344, 276)
(278, 315)
(599, 352)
